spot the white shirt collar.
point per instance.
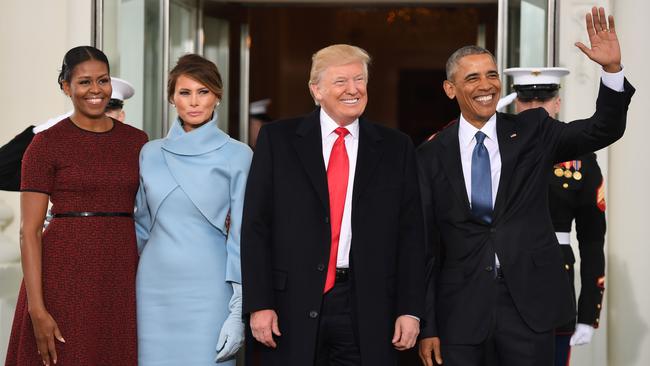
(466, 131)
(327, 126)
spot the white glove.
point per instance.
(505, 101)
(231, 337)
(582, 335)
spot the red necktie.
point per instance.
(338, 170)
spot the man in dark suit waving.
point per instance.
(496, 279)
(332, 238)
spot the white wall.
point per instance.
(623, 338)
(34, 36)
(629, 187)
(579, 92)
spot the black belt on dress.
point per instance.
(93, 214)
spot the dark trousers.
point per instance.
(337, 342)
(510, 342)
(562, 349)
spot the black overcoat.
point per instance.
(286, 238)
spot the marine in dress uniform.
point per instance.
(11, 154)
(576, 192)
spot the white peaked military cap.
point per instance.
(536, 82)
(122, 89)
(259, 107)
(536, 75)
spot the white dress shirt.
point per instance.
(467, 140)
(327, 126)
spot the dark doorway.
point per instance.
(423, 107)
(409, 46)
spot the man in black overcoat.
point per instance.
(332, 238)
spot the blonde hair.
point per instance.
(336, 55)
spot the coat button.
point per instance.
(327, 219)
(313, 314)
(320, 267)
(489, 269)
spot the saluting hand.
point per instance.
(605, 48)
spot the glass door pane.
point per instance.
(131, 39)
(216, 48)
(183, 31)
(527, 33)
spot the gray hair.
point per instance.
(452, 61)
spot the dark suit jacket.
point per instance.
(11, 157)
(461, 286)
(286, 237)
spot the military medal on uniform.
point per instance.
(577, 164)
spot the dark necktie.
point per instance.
(481, 180)
(338, 170)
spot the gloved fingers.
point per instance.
(227, 352)
(221, 342)
(579, 339)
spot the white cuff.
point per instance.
(412, 316)
(614, 80)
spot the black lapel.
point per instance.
(452, 163)
(309, 146)
(368, 156)
(507, 136)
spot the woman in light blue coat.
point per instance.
(188, 284)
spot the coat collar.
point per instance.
(308, 143)
(368, 157)
(452, 164)
(196, 142)
(507, 135)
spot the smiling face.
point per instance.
(194, 102)
(341, 92)
(89, 88)
(476, 86)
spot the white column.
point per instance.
(10, 276)
(579, 92)
(628, 292)
(34, 34)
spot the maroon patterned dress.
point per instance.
(89, 263)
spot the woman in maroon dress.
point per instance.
(77, 302)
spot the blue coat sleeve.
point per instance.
(238, 177)
(142, 214)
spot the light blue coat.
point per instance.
(189, 182)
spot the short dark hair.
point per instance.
(77, 55)
(452, 61)
(198, 68)
(114, 105)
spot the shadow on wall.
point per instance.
(626, 316)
